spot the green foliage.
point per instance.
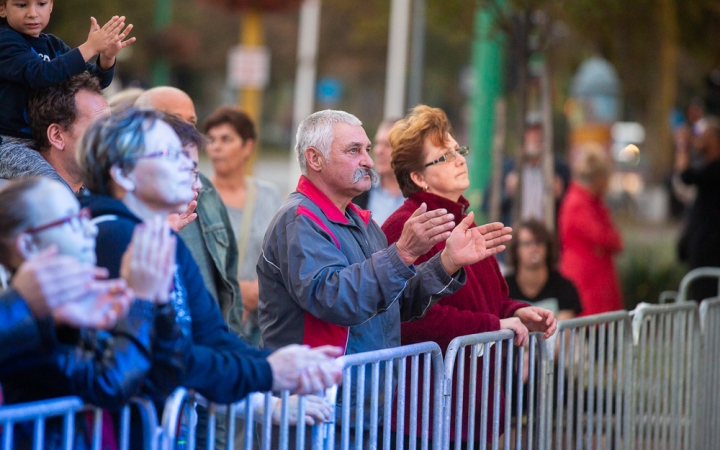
(643, 278)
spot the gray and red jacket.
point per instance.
(329, 278)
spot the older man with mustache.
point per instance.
(326, 274)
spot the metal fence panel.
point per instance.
(67, 408)
(403, 413)
(505, 375)
(710, 374)
(666, 376)
(592, 381)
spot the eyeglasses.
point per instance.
(171, 154)
(450, 156)
(77, 222)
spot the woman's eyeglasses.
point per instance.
(77, 222)
(171, 154)
(450, 156)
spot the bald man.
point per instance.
(210, 237)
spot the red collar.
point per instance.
(309, 190)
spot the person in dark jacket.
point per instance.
(102, 368)
(430, 167)
(31, 59)
(700, 244)
(135, 164)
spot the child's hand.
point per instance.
(119, 44)
(100, 39)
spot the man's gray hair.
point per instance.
(317, 131)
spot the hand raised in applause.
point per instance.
(467, 245)
(422, 231)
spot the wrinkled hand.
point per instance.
(303, 370)
(521, 331)
(101, 308)
(422, 231)
(180, 221)
(537, 319)
(467, 245)
(148, 264)
(317, 410)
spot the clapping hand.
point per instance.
(467, 245)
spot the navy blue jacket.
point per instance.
(220, 366)
(28, 63)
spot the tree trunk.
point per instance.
(663, 96)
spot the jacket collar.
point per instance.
(309, 190)
(434, 201)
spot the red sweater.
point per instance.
(476, 308)
(589, 240)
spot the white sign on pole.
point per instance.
(248, 67)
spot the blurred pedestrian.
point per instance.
(588, 237)
(701, 238)
(251, 204)
(533, 257)
(431, 168)
(385, 196)
(531, 197)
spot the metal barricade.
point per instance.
(694, 275)
(592, 382)
(710, 374)
(367, 371)
(665, 376)
(179, 422)
(67, 408)
(496, 349)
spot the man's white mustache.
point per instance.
(359, 173)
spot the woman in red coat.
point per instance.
(430, 168)
(588, 237)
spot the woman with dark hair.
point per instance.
(430, 167)
(251, 204)
(535, 279)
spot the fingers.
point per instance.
(330, 350)
(93, 24)
(467, 221)
(100, 273)
(44, 254)
(421, 210)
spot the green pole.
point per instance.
(163, 18)
(488, 62)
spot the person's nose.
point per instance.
(32, 11)
(367, 160)
(459, 159)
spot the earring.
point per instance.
(425, 188)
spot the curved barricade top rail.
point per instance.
(365, 416)
(529, 373)
(667, 350)
(710, 373)
(256, 408)
(694, 275)
(38, 412)
(593, 379)
(68, 407)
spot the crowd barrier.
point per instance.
(645, 379)
(71, 409)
